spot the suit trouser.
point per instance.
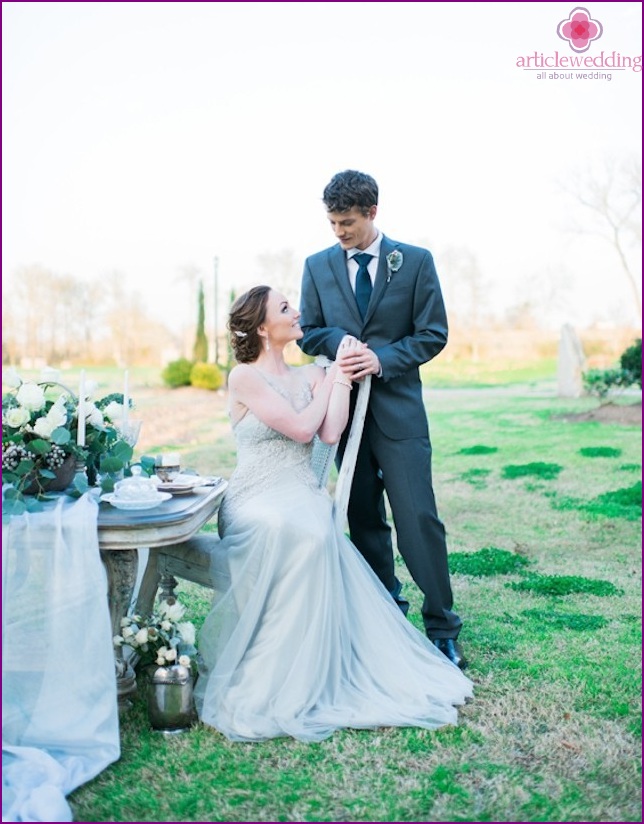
(403, 469)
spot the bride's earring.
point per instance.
(268, 346)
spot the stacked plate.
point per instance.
(182, 484)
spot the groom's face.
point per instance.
(353, 229)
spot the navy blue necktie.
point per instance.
(364, 286)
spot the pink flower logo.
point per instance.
(579, 29)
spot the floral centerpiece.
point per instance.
(40, 438)
(163, 639)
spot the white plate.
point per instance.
(182, 483)
(148, 503)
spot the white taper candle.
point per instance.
(80, 436)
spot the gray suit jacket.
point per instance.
(405, 326)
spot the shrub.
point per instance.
(177, 373)
(631, 361)
(600, 381)
(206, 376)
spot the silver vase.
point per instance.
(171, 708)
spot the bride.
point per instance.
(302, 638)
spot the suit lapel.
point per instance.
(338, 264)
(386, 246)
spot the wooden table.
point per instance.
(122, 533)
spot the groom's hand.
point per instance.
(358, 361)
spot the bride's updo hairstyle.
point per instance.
(247, 314)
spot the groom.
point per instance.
(387, 295)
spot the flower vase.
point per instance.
(64, 475)
(171, 708)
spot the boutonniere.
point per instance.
(394, 262)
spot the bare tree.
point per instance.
(612, 199)
(464, 287)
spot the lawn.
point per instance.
(543, 521)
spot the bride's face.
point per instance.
(282, 322)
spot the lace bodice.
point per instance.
(266, 458)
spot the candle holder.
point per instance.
(80, 471)
(130, 431)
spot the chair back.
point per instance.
(324, 455)
(348, 466)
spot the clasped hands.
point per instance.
(355, 360)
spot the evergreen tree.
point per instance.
(200, 349)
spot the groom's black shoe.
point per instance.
(452, 649)
(403, 603)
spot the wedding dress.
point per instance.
(302, 638)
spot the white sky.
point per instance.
(144, 137)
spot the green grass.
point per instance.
(487, 561)
(564, 585)
(553, 732)
(538, 469)
(625, 502)
(478, 449)
(442, 373)
(600, 452)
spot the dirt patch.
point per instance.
(625, 414)
(176, 418)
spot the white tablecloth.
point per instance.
(59, 705)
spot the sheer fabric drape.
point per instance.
(59, 709)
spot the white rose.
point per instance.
(117, 640)
(49, 375)
(11, 378)
(128, 632)
(173, 612)
(171, 654)
(160, 660)
(113, 411)
(58, 414)
(187, 632)
(94, 416)
(44, 427)
(16, 417)
(166, 625)
(184, 660)
(142, 636)
(31, 396)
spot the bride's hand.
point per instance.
(347, 342)
(345, 359)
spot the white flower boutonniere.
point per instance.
(394, 262)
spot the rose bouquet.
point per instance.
(163, 639)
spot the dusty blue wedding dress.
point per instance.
(303, 638)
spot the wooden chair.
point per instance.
(191, 559)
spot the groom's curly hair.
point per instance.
(348, 189)
(247, 314)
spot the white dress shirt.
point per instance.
(372, 267)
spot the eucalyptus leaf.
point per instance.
(13, 507)
(39, 446)
(25, 466)
(110, 464)
(61, 436)
(80, 484)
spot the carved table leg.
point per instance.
(121, 568)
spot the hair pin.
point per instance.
(240, 334)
